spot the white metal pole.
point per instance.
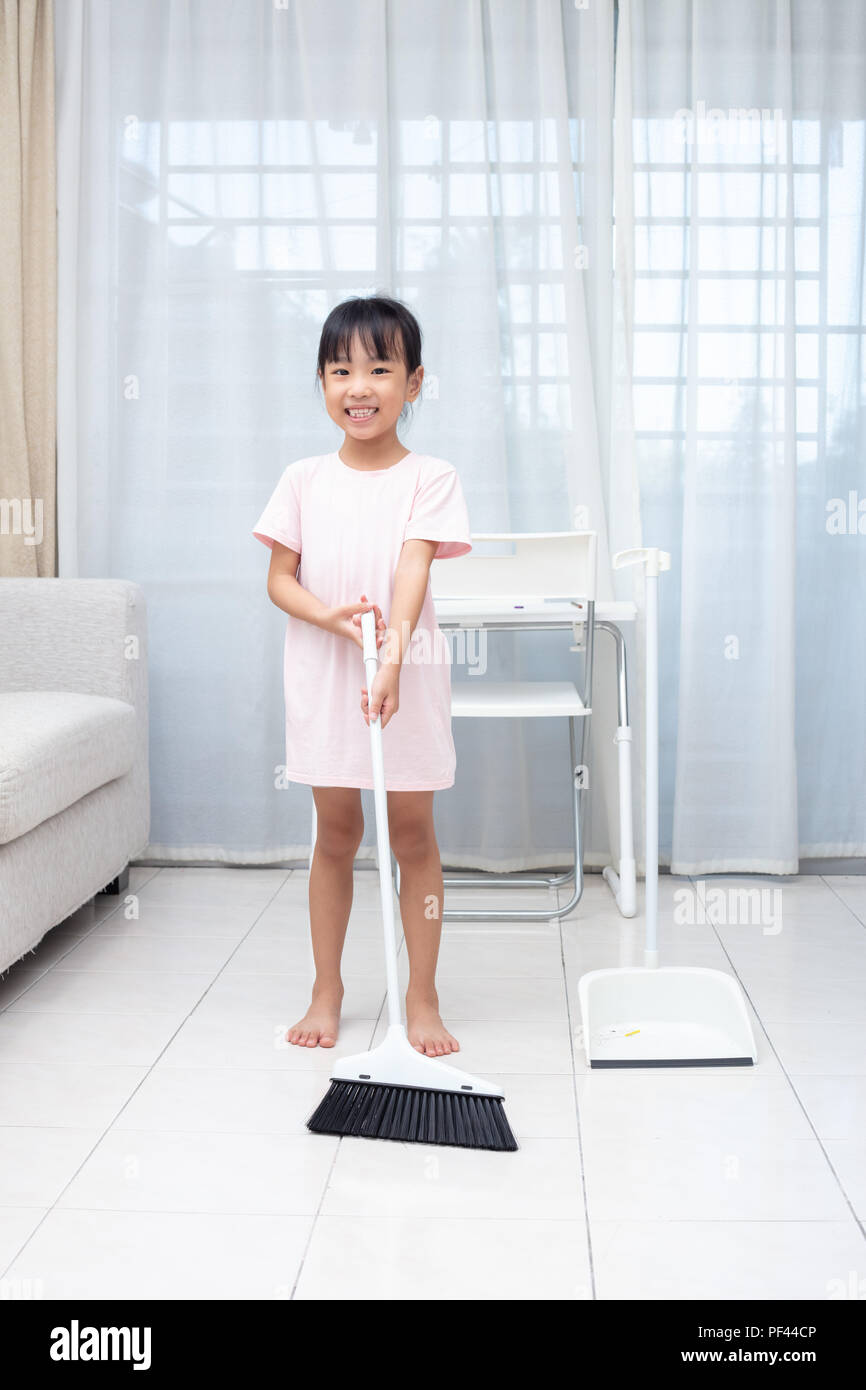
(651, 955)
(626, 832)
(383, 844)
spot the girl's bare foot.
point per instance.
(321, 1023)
(427, 1032)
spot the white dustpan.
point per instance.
(676, 1016)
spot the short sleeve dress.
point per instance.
(348, 526)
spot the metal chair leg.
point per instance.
(578, 790)
(543, 913)
(579, 786)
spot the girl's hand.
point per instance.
(344, 620)
(384, 697)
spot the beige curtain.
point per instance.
(28, 290)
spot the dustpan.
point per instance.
(652, 1016)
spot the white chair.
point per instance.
(500, 592)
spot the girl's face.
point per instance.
(364, 395)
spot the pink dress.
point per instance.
(349, 526)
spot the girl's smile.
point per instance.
(365, 395)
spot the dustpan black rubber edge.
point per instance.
(409, 1114)
(677, 1062)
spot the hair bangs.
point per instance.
(387, 330)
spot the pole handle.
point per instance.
(650, 555)
(368, 633)
(383, 844)
(654, 561)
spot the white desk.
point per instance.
(516, 612)
(532, 613)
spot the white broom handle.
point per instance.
(654, 561)
(383, 843)
(652, 767)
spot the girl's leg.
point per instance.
(339, 830)
(413, 840)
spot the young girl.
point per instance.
(365, 522)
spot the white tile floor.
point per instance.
(152, 1118)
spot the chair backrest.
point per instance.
(544, 564)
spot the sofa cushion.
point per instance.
(55, 747)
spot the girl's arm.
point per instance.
(285, 591)
(410, 586)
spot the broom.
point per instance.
(395, 1092)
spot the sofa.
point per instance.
(74, 776)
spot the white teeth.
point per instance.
(362, 414)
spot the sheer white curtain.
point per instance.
(231, 172)
(743, 156)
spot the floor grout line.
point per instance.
(141, 1081)
(857, 1221)
(586, 1218)
(784, 1077)
(401, 941)
(791, 1085)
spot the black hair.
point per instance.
(387, 329)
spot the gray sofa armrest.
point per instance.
(86, 635)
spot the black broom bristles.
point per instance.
(371, 1110)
